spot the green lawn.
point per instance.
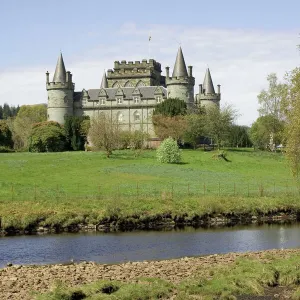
(88, 181)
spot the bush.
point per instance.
(5, 135)
(168, 152)
(47, 137)
(6, 150)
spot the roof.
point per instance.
(60, 71)
(147, 92)
(180, 67)
(208, 85)
(103, 84)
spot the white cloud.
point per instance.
(239, 60)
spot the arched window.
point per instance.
(141, 83)
(120, 117)
(116, 84)
(136, 116)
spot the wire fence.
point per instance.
(138, 190)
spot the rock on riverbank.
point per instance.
(17, 282)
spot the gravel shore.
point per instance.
(17, 282)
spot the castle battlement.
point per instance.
(145, 64)
(59, 85)
(209, 96)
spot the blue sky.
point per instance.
(241, 41)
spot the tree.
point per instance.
(291, 110)
(5, 135)
(76, 131)
(173, 127)
(1, 112)
(171, 107)
(265, 129)
(26, 117)
(104, 133)
(270, 100)
(47, 137)
(168, 152)
(195, 128)
(218, 123)
(239, 136)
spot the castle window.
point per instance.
(119, 100)
(136, 116)
(120, 117)
(158, 99)
(136, 99)
(102, 101)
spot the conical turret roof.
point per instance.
(60, 71)
(208, 85)
(180, 67)
(104, 84)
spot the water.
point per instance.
(145, 245)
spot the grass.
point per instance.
(246, 276)
(71, 187)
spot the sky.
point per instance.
(240, 41)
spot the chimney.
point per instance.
(68, 77)
(200, 89)
(219, 89)
(47, 77)
(190, 71)
(167, 72)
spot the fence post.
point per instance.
(12, 192)
(234, 189)
(137, 190)
(219, 189)
(204, 188)
(188, 189)
(35, 192)
(248, 190)
(172, 192)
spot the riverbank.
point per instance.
(57, 222)
(257, 273)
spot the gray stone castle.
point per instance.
(128, 93)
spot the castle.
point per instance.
(128, 93)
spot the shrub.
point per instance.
(47, 137)
(168, 152)
(5, 135)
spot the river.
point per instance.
(144, 245)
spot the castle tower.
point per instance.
(60, 93)
(181, 84)
(207, 95)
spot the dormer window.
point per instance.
(158, 99)
(136, 100)
(119, 100)
(102, 102)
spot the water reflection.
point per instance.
(145, 245)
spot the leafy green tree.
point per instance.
(168, 152)
(1, 112)
(264, 129)
(75, 131)
(26, 117)
(195, 128)
(218, 123)
(291, 110)
(171, 107)
(239, 136)
(270, 100)
(5, 135)
(47, 137)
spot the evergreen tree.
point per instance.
(171, 107)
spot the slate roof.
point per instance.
(147, 92)
(208, 84)
(60, 71)
(180, 67)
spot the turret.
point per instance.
(104, 83)
(181, 84)
(60, 93)
(207, 95)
